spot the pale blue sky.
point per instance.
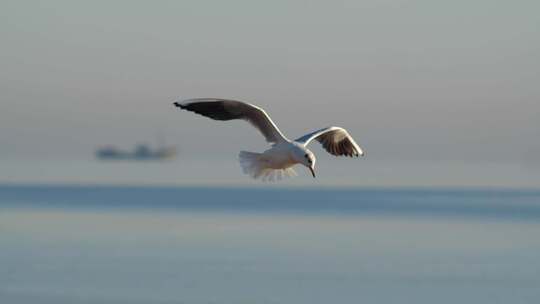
(434, 86)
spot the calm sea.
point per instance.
(78, 244)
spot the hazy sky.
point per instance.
(417, 83)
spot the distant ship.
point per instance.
(141, 152)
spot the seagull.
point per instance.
(276, 162)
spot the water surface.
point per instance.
(198, 245)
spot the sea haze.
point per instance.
(78, 244)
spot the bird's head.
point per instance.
(306, 158)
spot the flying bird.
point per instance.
(276, 162)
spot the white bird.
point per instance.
(276, 162)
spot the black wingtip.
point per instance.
(177, 104)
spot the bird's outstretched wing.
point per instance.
(335, 140)
(225, 109)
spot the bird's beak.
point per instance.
(312, 171)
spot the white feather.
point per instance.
(256, 166)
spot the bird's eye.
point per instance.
(306, 156)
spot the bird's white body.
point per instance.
(276, 162)
(279, 156)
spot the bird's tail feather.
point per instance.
(255, 166)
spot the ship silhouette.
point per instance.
(141, 152)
